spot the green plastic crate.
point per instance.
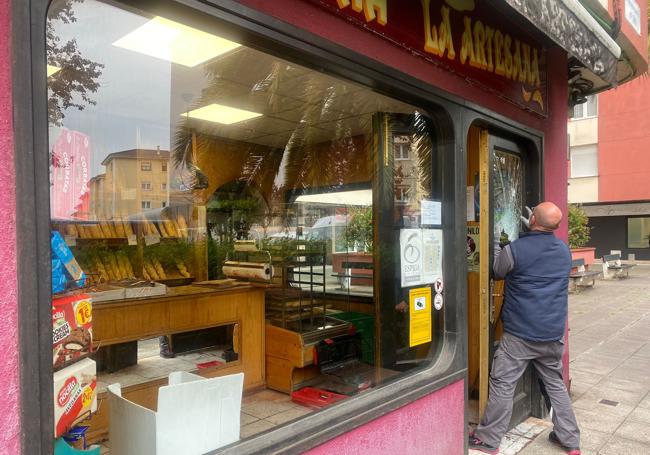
(365, 325)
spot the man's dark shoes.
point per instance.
(569, 450)
(476, 444)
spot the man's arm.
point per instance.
(503, 261)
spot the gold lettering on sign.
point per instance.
(437, 40)
(372, 9)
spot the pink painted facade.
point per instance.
(439, 415)
(9, 398)
(439, 429)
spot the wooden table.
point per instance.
(182, 309)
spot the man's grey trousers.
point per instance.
(510, 361)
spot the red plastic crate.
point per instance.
(315, 398)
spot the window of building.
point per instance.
(286, 174)
(584, 161)
(587, 109)
(638, 232)
(401, 147)
(145, 186)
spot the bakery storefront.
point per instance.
(270, 223)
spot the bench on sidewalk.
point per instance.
(345, 278)
(580, 276)
(613, 268)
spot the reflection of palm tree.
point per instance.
(302, 158)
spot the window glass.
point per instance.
(638, 232)
(584, 161)
(230, 211)
(508, 194)
(587, 109)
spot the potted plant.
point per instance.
(358, 240)
(579, 234)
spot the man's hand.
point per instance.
(526, 220)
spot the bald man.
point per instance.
(536, 268)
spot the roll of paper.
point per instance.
(248, 270)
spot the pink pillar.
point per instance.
(555, 155)
(9, 382)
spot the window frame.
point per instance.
(146, 166)
(289, 42)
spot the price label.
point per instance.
(83, 312)
(70, 240)
(151, 239)
(133, 239)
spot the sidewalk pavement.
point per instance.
(609, 345)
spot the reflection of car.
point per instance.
(330, 229)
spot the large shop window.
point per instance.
(638, 232)
(229, 212)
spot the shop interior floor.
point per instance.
(152, 366)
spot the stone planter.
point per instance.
(587, 253)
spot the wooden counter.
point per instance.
(182, 309)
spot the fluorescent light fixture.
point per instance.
(342, 198)
(168, 40)
(51, 69)
(219, 113)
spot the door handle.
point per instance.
(492, 301)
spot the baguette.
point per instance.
(159, 269)
(111, 227)
(115, 266)
(71, 230)
(151, 270)
(182, 225)
(170, 228)
(128, 230)
(96, 231)
(163, 229)
(119, 229)
(106, 231)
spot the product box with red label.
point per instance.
(71, 329)
(75, 395)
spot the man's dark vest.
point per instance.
(536, 301)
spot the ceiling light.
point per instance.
(219, 113)
(51, 69)
(341, 198)
(168, 40)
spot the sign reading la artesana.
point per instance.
(468, 37)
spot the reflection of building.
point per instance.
(135, 180)
(610, 168)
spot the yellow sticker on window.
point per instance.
(420, 316)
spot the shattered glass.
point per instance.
(508, 198)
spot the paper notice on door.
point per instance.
(420, 256)
(431, 212)
(431, 255)
(419, 316)
(470, 204)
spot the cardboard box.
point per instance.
(71, 329)
(75, 395)
(194, 416)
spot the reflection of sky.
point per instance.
(132, 109)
